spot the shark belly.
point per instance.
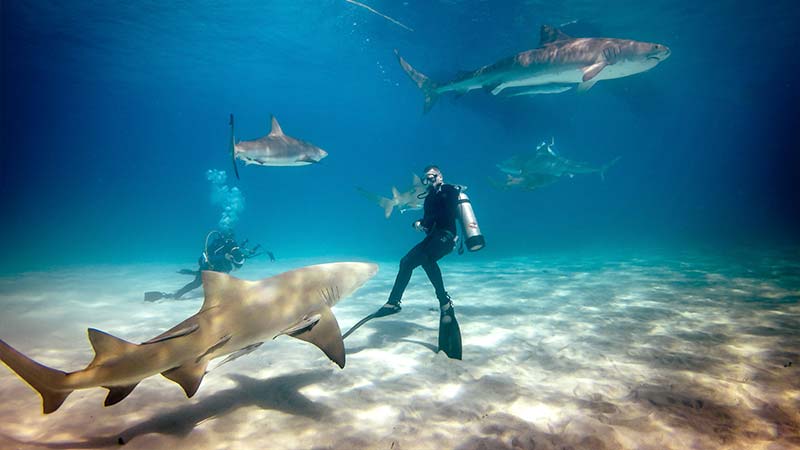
(543, 77)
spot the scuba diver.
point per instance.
(222, 254)
(441, 207)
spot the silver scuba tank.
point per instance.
(469, 224)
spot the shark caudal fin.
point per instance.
(386, 203)
(608, 166)
(388, 206)
(233, 150)
(427, 86)
(45, 380)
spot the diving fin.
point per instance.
(152, 296)
(385, 310)
(449, 333)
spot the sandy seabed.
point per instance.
(563, 352)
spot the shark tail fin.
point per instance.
(386, 203)
(425, 84)
(388, 206)
(45, 380)
(233, 150)
(608, 166)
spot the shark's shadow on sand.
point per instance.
(279, 393)
(390, 332)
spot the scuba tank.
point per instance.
(469, 224)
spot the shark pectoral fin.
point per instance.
(586, 85)
(591, 71)
(188, 376)
(495, 88)
(118, 393)
(326, 335)
(172, 334)
(107, 346)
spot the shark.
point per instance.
(543, 167)
(560, 63)
(403, 201)
(236, 316)
(275, 149)
(545, 162)
(527, 182)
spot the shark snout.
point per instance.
(660, 52)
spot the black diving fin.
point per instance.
(385, 310)
(151, 296)
(449, 333)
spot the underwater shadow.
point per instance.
(280, 394)
(389, 332)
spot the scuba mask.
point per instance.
(432, 177)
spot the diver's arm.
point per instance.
(428, 218)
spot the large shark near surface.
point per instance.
(236, 317)
(559, 64)
(274, 149)
(403, 201)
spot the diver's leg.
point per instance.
(194, 284)
(413, 259)
(435, 276)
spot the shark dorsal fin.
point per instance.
(326, 335)
(221, 288)
(275, 129)
(395, 193)
(549, 34)
(107, 346)
(416, 180)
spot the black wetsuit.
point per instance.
(441, 208)
(217, 262)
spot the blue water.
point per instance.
(112, 114)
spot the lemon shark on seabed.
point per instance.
(403, 201)
(559, 64)
(236, 316)
(275, 149)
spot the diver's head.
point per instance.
(433, 176)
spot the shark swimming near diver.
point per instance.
(235, 318)
(560, 63)
(274, 149)
(403, 201)
(542, 167)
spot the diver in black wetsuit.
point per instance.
(439, 225)
(223, 254)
